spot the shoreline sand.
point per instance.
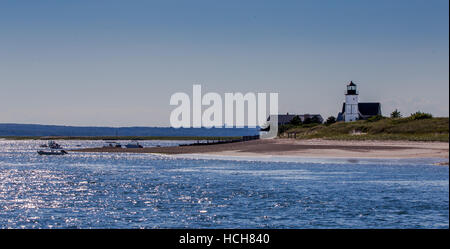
(303, 148)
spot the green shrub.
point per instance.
(330, 120)
(396, 114)
(420, 115)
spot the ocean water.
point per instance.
(100, 190)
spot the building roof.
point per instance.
(352, 84)
(367, 108)
(284, 118)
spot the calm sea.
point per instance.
(96, 190)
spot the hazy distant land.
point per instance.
(35, 131)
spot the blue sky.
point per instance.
(117, 63)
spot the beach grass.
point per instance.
(432, 129)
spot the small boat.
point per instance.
(54, 145)
(112, 144)
(51, 144)
(134, 144)
(52, 152)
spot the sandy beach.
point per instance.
(304, 148)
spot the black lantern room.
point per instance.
(351, 89)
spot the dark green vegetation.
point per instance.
(330, 120)
(417, 127)
(396, 114)
(120, 138)
(420, 115)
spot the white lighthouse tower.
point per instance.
(351, 103)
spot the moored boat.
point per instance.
(112, 144)
(51, 144)
(134, 144)
(52, 152)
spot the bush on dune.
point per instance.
(420, 115)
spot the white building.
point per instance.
(352, 110)
(351, 103)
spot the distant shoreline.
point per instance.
(303, 148)
(119, 137)
(31, 131)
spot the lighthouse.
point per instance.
(351, 112)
